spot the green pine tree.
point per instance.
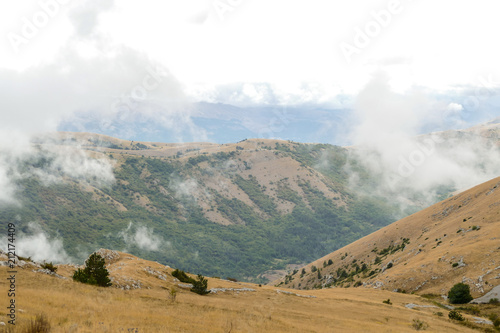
(94, 273)
(200, 285)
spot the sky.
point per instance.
(373, 74)
(101, 66)
(307, 51)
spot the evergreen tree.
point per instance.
(460, 294)
(94, 272)
(200, 285)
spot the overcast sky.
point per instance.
(71, 56)
(379, 72)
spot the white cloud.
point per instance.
(85, 16)
(184, 188)
(39, 246)
(408, 165)
(455, 107)
(142, 237)
(49, 162)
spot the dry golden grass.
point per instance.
(75, 307)
(439, 237)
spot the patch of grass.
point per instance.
(39, 325)
(419, 325)
(429, 296)
(473, 310)
(495, 319)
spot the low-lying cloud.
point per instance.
(39, 246)
(50, 163)
(142, 237)
(413, 169)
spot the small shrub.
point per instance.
(439, 314)
(39, 325)
(314, 269)
(494, 301)
(455, 264)
(387, 301)
(358, 283)
(455, 315)
(495, 319)
(200, 285)
(419, 325)
(173, 294)
(460, 294)
(182, 276)
(389, 265)
(49, 266)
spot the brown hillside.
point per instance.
(456, 240)
(258, 158)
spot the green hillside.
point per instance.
(280, 203)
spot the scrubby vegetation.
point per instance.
(455, 315)
(39, 325)
(182, 276)
(50, 266)
(419, 325)
(200, 285)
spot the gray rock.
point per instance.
(493, 293)
(185, 285)
(216, 290)
(413, 306)
(478, 320)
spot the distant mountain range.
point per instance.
(220, 123)
(225, 123)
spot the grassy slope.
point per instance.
(463, 228)
(75, 307)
